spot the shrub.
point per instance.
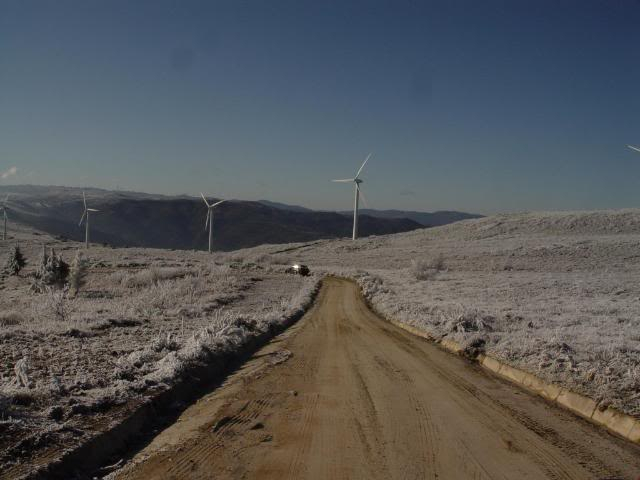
(56, 304)
(427, 269)
(422, 270)
(77, 274)
(438, 263)
(165, 342)
(15, 261)
(51, 270)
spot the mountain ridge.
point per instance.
(160, 221)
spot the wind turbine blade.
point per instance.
(206, 223)
(92, 210)
(205, 200)
(84, 199)
(364, 199)
(218, 203)
(82, 218)
(344, 180)
(363, 164)
(634, 148)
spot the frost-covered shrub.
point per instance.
(165, 342)
(77, 274)
(371, 285)
(471, 321)
(427, 269)
(15, 261)
(54, 305)
(422, 270)
(51, 270)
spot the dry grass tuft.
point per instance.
(9, 319)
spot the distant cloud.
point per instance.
(9, 173)
(407, 193)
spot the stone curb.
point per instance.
(617, 422)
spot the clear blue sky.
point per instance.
(481, 106)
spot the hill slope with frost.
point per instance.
(556, 294)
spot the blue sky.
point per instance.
(489, 106)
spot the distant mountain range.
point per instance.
(160, 221)
(284, 206)
(427, 219)
(147, 220)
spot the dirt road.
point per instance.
(344, 394)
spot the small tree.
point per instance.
(51, 269)
(77, 274)
(16, 261)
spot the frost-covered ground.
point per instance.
(142, 320)
(556, 294)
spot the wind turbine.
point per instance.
(86, 214)
(357, 181)
(209, 221)
(3, 207)
(634, 148)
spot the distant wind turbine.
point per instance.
(3, 207)
(209, 221)
(357, 181)
(634, 148)
(85, 216)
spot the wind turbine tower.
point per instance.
(356, 181)
(209, 221)
(85, 216)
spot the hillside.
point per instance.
(553, 293)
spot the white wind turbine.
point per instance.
(3, 207)
(357, 181)
(85, 216)
(209, 221)
(634, 148)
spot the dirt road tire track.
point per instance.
(361, 398)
